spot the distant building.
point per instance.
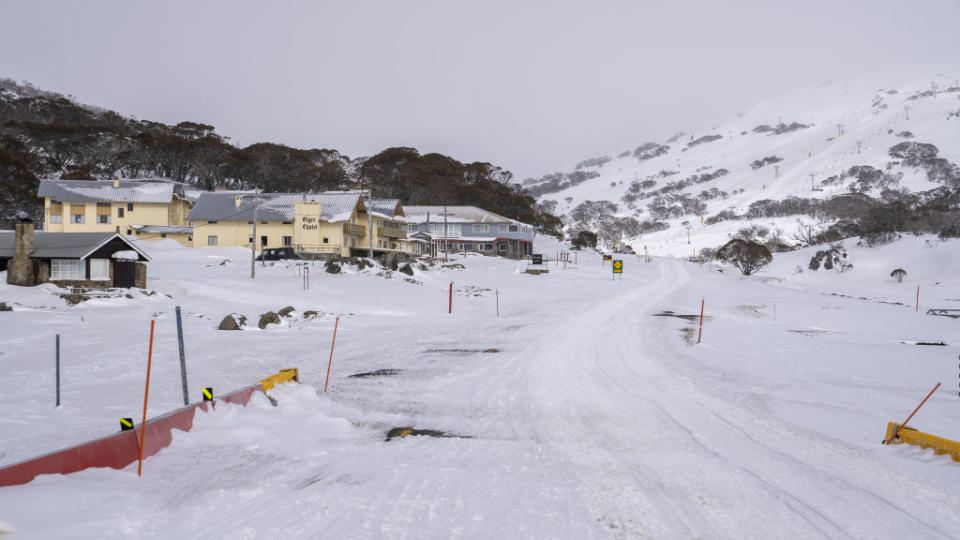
(468, 228)
(121, 206)
(329, 223)
(90, 259)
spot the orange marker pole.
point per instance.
(897, 433)
(330, 362)
(700, 333)
(918, 299)
(146, 394)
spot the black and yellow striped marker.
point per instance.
(208, 393)
(126, 424)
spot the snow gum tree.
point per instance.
(747, 256)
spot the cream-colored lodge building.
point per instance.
(329, 223)
(128, 207)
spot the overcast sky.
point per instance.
(530, 86)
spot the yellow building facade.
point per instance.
(122, 206)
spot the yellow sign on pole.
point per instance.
(618, 266)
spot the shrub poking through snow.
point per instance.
(747, 256)
(898, 273)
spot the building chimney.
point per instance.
(116, 183)
(20, 270)
(237, 201)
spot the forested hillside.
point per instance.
(45, 134)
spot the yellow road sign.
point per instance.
(618, 266)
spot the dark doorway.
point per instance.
(124, 274)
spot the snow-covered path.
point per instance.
(656, 455)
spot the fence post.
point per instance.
(700, 332)
(330, 362)
(450, 304)
(917, 309)
(183, 360)
(498, 302)
(146, 393)
(58, 370)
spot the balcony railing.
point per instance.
(357, 230)
(389, 232)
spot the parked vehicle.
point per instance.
(278, 254)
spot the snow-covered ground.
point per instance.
(593, 418)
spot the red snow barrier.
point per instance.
(117, 450)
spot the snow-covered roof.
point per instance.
(163, 229)
(62, 245)
(219, 206)
(455, 214)
(142, 191)
(387, 207)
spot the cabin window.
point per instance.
(56, 218)
(77, 218)
(103, 220)
(212, 240)
(100, 269)
(61, 269)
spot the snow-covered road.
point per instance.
(656, 454)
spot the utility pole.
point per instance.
(811, 181)
(370, 222)
(253, 245)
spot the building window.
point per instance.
(513, 228)
(56, 218)
(130, 231)
(326, 240)
(288, 223)
(486, 247)
(502, 246)
(481, 228)
(287, 241)
(163, 235)
(77, 218)
(249, 223)
(502, 228)
(468, 245)
(263, 241)
(189, 239)
(129, 207)
(250, 240)
(263, 222)
(119, 212)
(67, 269)
(393, 245)
(211, 222)
(103, 220)
(413, 228)
(212, 240)
(100, 269)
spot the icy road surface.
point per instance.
(594, 420)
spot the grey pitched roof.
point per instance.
(221, 206)
(60, 245)
(455, 214)
(163, 229)
(143, 191)
(386, 207)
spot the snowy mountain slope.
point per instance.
(823, 132)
